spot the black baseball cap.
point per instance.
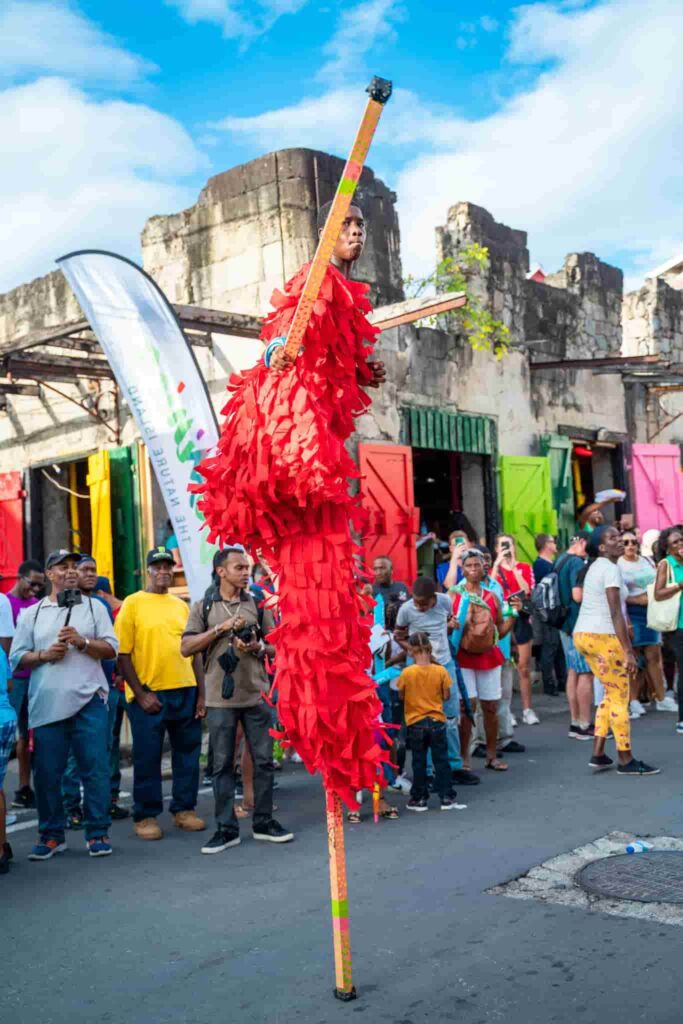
(160, 554)
(56, 557)
(83, 558)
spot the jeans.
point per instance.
(256, 722)
(551, 660)
(451, 709)
(71, 781)
(86, 734)
(185, 736)
(429, 734)
(676, 643)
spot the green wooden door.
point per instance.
(558, 449)
(527, 501)
(124, 521)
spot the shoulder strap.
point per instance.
(206, 606)
(92, 616)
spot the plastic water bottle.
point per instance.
(637, 846)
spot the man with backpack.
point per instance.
(551, 656)
(62, 640)
(229, 630)
(570, 575)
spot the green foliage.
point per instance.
(481, 329)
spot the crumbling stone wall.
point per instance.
(653, 321)
(254, 225)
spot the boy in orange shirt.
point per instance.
(423, 687)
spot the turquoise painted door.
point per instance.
(558, 450)
(527, 501)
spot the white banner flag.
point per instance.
(158, 375)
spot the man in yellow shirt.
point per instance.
(165, 693)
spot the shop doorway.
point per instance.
(598, 466)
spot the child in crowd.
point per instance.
(423, 687)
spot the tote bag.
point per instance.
(663, 615)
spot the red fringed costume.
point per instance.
(279, 482)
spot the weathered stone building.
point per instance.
(438, 429)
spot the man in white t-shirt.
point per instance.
(432, 613)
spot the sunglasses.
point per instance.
(33, 585)
(631, 543)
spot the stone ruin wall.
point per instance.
(254, 225)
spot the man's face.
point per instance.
(381, 567)
(160, 575)
(31, 585)
(235, 570)
(423, 604)
(87, 576)
(351, 240)
(488, 563)
(64, 576)
(552, 546)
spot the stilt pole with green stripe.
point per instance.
(344, 988)
(380, 91)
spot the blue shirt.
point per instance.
(108, 666)
(7, 715)
(505, 644)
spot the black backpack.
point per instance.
(546, 599)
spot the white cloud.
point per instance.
(52, 37)
(488, 24)
(237, 19)
(82, 173)
(360, 30)
(329, 122)
(588, 158)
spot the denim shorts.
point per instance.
(575, 661)
(8, 733)
(18, 698)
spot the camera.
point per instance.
(247, 634)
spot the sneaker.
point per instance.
(417, 805)
(207, 780)
(118, 813)
(99, 847)
(10, 819)
(46, 848)
(668, 704)
(74, 819)
(296, 758)
(222, 839)
(147, 828)
(529, 717)
(272, 832)
(512, 747)
(600, 761)
(679, 728)
(239, 793)
(448, 802)
(636, 709)
(401, 785)
(513, 721)
(24, 798)
(637, 768)
(587, 733)
(188, 821)
(464, 777)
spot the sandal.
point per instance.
(389, 812)
(242, 812)
(496, 766)
(353, 817)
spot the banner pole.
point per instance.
(344, 989)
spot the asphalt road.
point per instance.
(159, 933)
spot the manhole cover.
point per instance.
(652, 877)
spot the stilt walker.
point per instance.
(278, 483)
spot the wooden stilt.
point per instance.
(344, 989)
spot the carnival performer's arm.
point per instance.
(276, 359)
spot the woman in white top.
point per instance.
(601, 636)
(638, 573)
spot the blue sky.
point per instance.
(558, 117)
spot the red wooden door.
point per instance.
(11, 528)
(657, 485)
(387, 493)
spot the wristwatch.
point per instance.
(85, 646)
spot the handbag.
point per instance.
(479, 634)
(663, 615)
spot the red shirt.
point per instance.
(508, 580)
(489, 659)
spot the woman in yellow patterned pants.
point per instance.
(602, 637)
(605, 655)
